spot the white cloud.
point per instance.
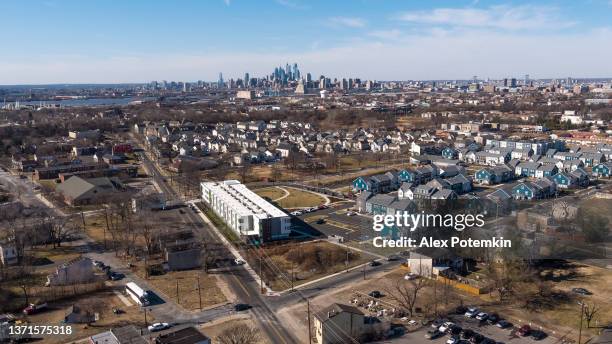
(292, 4)
(227, 2)
(498, 17)
(430, 54)
(352, 22)
(386, 34)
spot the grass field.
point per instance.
(300, 199)
(272, 193)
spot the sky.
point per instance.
(95, 41)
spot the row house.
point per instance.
(494, 175)
(603, 169)
(539, 189)
(576, 178)
(526, 169)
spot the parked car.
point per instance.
(410, 276)
(467, 334)
(393, 257)
(524, 330)
(320, 221)
(453, 340)
(503, 324)
(538, 335)
(487, 341)
(471, 312)
(446, 326)
(493, 318)
(239, 261)
(581, 291)
(239, 307)
(455, 329)
(34, 308)
(351, 213)
(482, 316)
(158, 327)
(375, 294)
(433, 334)
(460, 309)
(437, 323)
(115, 276)
(477, 338)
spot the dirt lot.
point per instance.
(215, 328)
(308, 261)
(103, 302)
(188, 296)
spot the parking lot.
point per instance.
(336, 222)
(493, 332)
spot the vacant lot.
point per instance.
(307, 261)
(99, 302)
(187, 294)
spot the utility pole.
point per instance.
(364, 271)
(260, 277)
(347, 260)
(309, 329)
(177, 292)
(145, 313)
(292, 275)
(581, 316)
(199, 293)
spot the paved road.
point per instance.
(240, 281)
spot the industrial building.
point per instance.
(246, 212)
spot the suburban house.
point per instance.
(541, 188)
(548, 170)
(450, 153)
(338, 323)
(79, 270)
(430, 262)
(603, 170)
(460, 184)
(379, 183)
(526, 169)
(80, 191)
(383, 204)
(494, 175)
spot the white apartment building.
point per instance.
(244, 211)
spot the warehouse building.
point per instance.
(246, 212)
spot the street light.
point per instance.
(581, 316)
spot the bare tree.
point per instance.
(590, 310)
(239, 334)
(406, 293)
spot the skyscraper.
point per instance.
(220, 83)
(246, 80)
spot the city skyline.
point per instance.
(73, 42)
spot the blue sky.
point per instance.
(60, 41)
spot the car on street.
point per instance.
(239, 307)
(320, 221)
(375, 263)
(351, 213)
(503, 324)
(433, 334)
(393, 258)
(158, 326)
(375, 294)
(581, 291)
(524, 330)
(239, 261)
